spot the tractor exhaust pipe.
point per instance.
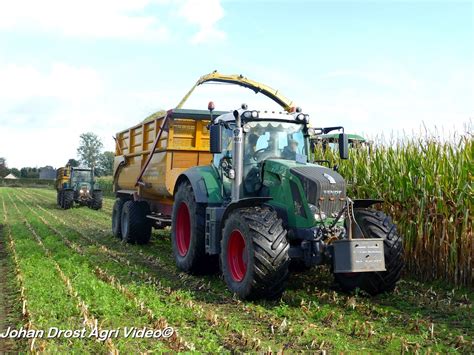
(238, 155)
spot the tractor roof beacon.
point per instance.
(259, 207)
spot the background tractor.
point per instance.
(77, 185)
(239, 191)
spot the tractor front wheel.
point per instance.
(254, 253)
(376, 224)
(96, 202)
(68, 199)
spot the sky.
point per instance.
(376, 67)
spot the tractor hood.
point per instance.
(322, 187)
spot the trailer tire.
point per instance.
(376, 224)
(254, 253)
(188, 233)
(117, 218)
(135, 226)
(96, 202)
(68, 199)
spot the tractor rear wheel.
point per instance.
(188, 233)
(96, 202)
(68, 199)
(254, 253)
(117, 218)
(376, 224)
(135, 226)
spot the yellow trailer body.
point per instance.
(62, 177)
(181, 140)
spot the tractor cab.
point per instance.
(82, 182)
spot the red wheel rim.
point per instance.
(236, 256)
(183, 229)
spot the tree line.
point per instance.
(90, 154)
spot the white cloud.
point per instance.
(205, 14)
(60, 81)
(122, 19)
(42, 112)
(87, 18)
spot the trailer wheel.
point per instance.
(96, 202)
(376, 224)
(117, 218)
(188, 235)
(68, 199)
(135, 226)
(254, 253)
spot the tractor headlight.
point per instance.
(318, 215)
(81, 191)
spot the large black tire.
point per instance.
(135, 226)
(376, 224)
(117, 218)
(188, 233)
(260, 269)
(68, 199)
(96, 202)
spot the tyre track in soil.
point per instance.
(233, 337)
(275, 328)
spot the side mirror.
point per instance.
(216, 139)
(343, 146)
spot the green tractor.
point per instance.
(77, 185)
(262, 205)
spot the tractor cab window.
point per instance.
(273, 139)
(81, 176)
(219, 160)
(267, 140)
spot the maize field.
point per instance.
(427, 186)
(64, 269)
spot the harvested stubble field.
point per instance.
(65, 269)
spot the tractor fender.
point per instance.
(366, 203)
(242, 203)
(205, 184)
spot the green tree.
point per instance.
(89, 149)
(106, 164)
(15, 172)
(3, 168)
(73, 162)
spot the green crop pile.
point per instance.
(427, 188)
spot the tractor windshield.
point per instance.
(274, 139)
(81, 176)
